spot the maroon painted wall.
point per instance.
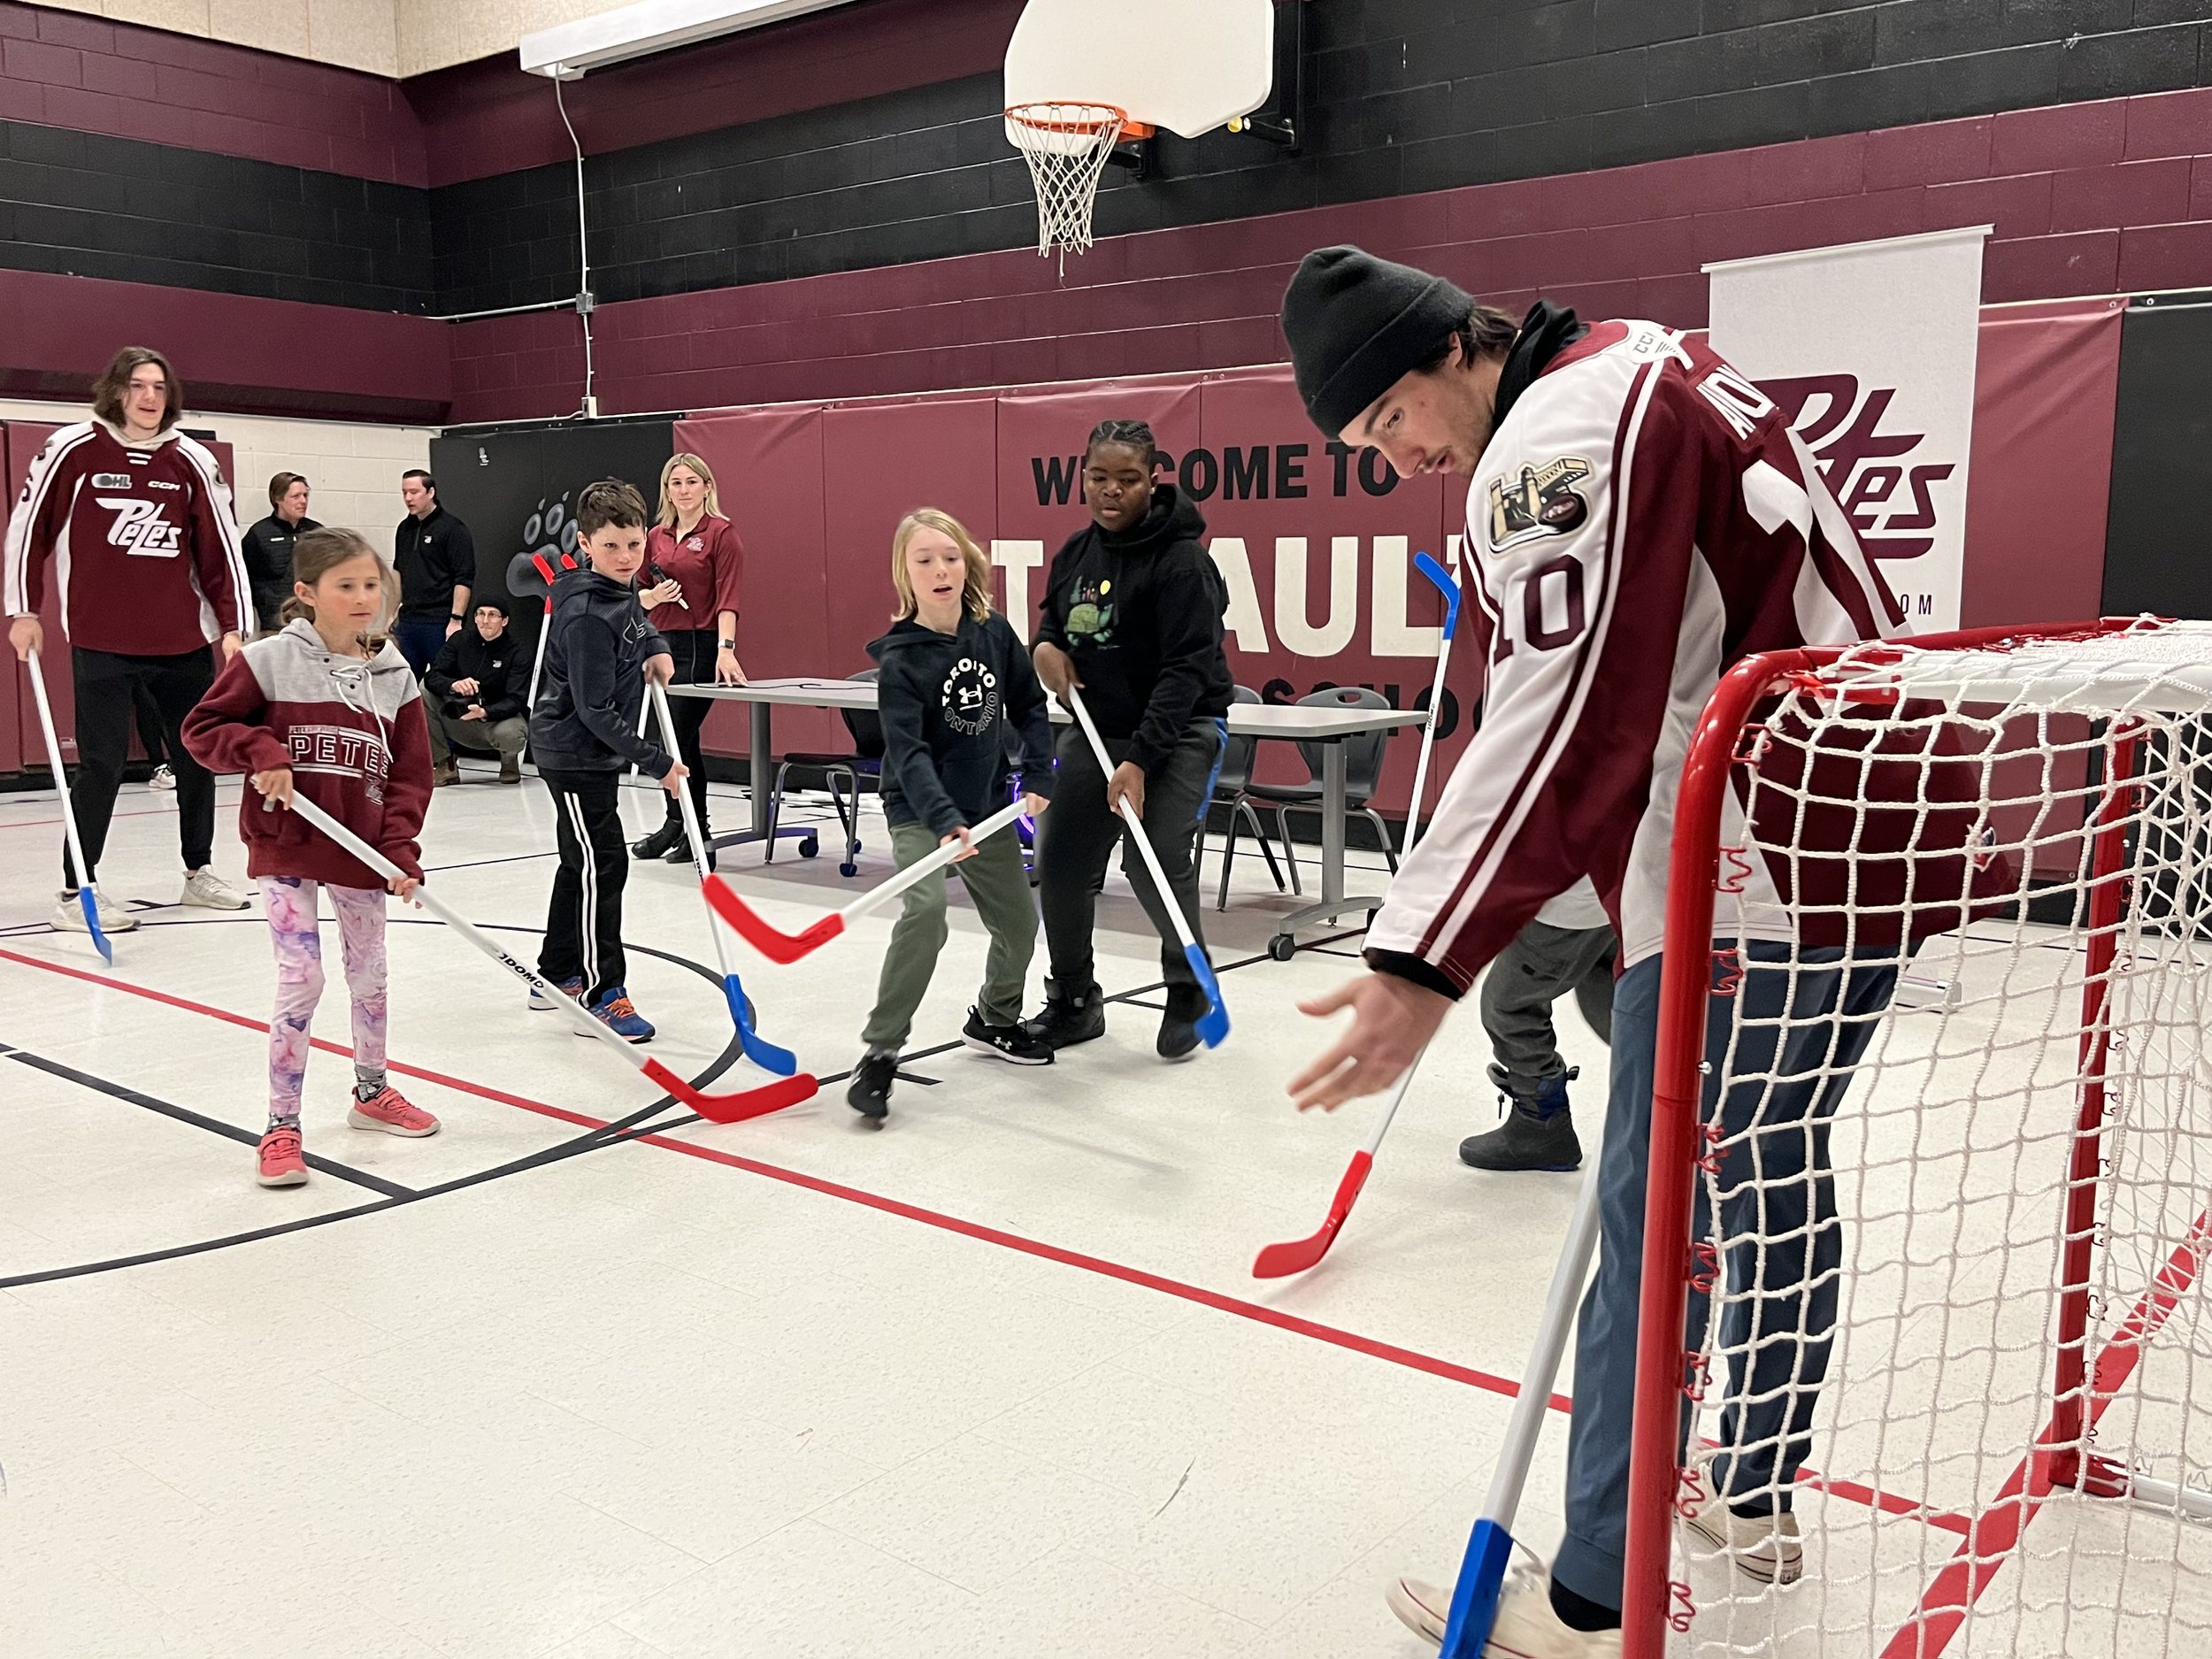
(61, 69)
(253, 356)
(2113, 196)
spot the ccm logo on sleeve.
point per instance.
(1539, 501)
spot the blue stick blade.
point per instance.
(1475, 1597)
(91, 906)
(1441, 577)
(1213, 1024)
(761, 1052)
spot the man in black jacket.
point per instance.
(474, 699)
(1132, 617)
(268, 547)
(435, 556)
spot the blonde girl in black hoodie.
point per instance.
(955, 679)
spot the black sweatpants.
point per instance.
(693, 649)
(1076, 841)
(583, 920)
(108, 685)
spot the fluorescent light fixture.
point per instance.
(646, 27)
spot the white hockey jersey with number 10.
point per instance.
(1642, 519)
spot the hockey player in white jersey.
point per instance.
(1639, 518)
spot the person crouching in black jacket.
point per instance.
(475, 699)
(1132, 617)
(599, 652)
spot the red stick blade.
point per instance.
(740, 1104)
(754, 929)
(1295, 1256)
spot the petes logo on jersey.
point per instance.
(1539, 501)
(139, 528)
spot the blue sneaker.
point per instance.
(613, 1010)
(539, 1003)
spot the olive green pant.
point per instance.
(1000, 887)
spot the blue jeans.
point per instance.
(419, 640)
(1793, 1053)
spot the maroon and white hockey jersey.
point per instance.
(144, 544)
(1642, 519)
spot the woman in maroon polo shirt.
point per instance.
(694, 566)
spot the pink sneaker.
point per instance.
(389, 1112)
(281, 1164)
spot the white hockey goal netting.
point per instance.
(1931, 1217)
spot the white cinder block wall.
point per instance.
(352, 471)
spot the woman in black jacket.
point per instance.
(268, 548)
(1133, 616)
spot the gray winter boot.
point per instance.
(1537, 1134)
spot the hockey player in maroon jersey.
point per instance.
(1639, 517)
(137, 520)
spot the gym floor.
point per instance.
(995, 1379)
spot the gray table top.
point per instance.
(1246, 719)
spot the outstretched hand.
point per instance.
(1392, 1020)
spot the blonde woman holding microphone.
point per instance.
(695, 567)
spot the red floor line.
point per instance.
(1351, 1340)
(1998, 1529)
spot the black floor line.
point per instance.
(635, 1126)
(184, 1114)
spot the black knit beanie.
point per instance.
(1356, 323)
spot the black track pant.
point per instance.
(583, 920)
(1076, 841)
(108, 686)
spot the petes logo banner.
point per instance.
(1870, 350)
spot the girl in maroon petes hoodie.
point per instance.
(327, 707)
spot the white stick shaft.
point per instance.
(1534, 1399)
(692, 834)
(1397, 1099)
(460, 925)
(61, 778)
(877, 897)
(1428, 746)
(1184, 936)
(537, 664)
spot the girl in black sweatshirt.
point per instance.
(954, 681)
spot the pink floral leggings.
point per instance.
(293, 930)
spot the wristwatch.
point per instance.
(454, 616)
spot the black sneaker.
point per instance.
(1016, 1043)
(1177, 1039)
(1068, 1020)
(1537, 1134)
(869, 1093)
(658, 845)
(681, 852)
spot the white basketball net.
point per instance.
(1067, 145)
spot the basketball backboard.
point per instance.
(1186, 66)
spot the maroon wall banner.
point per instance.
(1315, 540)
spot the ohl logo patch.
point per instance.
(1541, 500)
(139, 528)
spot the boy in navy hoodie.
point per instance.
(954, 679)
(599, 652)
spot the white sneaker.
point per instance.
(204, 888)
(162, 777)
(69, 914)
(1763, 1547)
(1526, 1626)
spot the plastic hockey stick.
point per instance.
(761, 1052)
(1295, 1256)
(780, 946)
(1490, 1547)
(1213, 1024)
(1278, 1261)
(88, 896)
(1438, 574)
(734, 1107)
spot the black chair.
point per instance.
(865, 761)
(1229, 786)
(1363, 775)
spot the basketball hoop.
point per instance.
(1067, 145)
